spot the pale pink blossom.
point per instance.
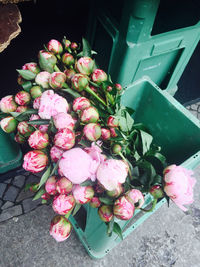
(63, 120)
(135, 196)
(82, 194)
(64, 139)
(62, 204)
(42, 79)
(35, 161)
(43, 128)
(56, 153)
(60, 228)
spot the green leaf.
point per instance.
(45, 64)
(87, 183)
(38, 122)
(44, 201)
(123, 124)
(146, 141)
(24, 115)
(156, 155)
(117, 229)
(27, 86)
(76, 209)
(27, 187)
(86, 48)
(84, 143)
(106, 200)
(129, 121)
(45, 176)
(27, 74)
(39, 194)
(55, 168)
(110, 227)
(71, 92)
(3, 115)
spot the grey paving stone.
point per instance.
(194, 106)
(32, 179)
(7, 205)
(11, 194)
(10, 212)
(8, 181)
(26, 173)
(2, 189)
(19, 181)
(23, 195)
(30, 204)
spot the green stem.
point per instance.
(153, 206)
(66, 86)
(129, 171)
(90, 91)
(56, 68)
(58, 56)
(68, 214)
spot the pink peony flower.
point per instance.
(116, 192)
(38, 140)
(36, 91)
(95, 202)
(135, 196)
(8, 124)
(55, 46)
(36, 102)
(60, 228)
(42, 79)
(79, 82)
(63, 120)
(77, 165)
(50, 185)
(21, 109)
(113, 132)
(123, 209)
(52, 104)
(106, 213)
(179, 185)
(34, 117)
(45, 196)
(7, 104)
(35, 161)
(43, 128)
(99, 76)
(92, 131)
(82, 194)
(74, 46)
(68, 59)
(57, 79)
(64, 139)
(105, 134)
(118, 87)
(89, 114)
(112, 121)
(85, 65)
(64, 186)
(80, 103)
(25, 129)
(112, 172)
(62, 204)
(32, 66)
(56, 153)
(22, 98)
(156, 191)
(69, 73)
(50, 57)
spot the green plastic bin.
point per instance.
(174, 128)
(10, 153)
(121, 31)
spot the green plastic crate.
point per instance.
(10, 153)
(121, 31)
(174, 128)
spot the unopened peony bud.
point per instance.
(85, 65)
(33, 67)
(43, 79)
(67, 43)
(68, 59)
(52, 60)
(36, 102)
(123, 209)
(55, 46)
(35, 161)
(79, 82)
(56, 153)
(20, 138)
(45, 196)
(113, 132)
(22, 98)
(156, 191)
(105, 134)
(43, 128)
(74, 46)
(64, 186)
(34, 187)
(116, 148)
(8, 124)
(63, 120)
(20, 80)
(7, 104)
(118, 87)
(109, 88)
(135, 197)
(82, 194)
(105, 213)
(89, 114)
(80, 103)
(57, 79)
(36, 91)
(21, 109)
(99, 76)
(62, 204)
(69, 73)
(116, 192)
(64, 139)
(92, 131)
(50, 185)
(112, 121)
(60, 228)
(95, 202)
(38, 140)
(25, 129)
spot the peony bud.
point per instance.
(64, 139)
(22, 98)
(118, 87)
(95, 202)
(43, 128)
(36, 91)
(105, 213)
(50, 185)
(45, 196)
(74, 46)
(109, 88)
(89, 114)
(35, 161)
(82, 194)
(20, 138)
(85, 65)
(80, 103)
(57, 79)
(79, 82)
(62, 204)
(7, 104)
(8, 124)
(113, 132)
(64, 186)
(38, 140)
(92, 131)
(51, 59)
(33, 67)
(67, 43)
(63, 120)
(112, 121)
(135, 197)
(105, 134)
(156, 191)
(34, 187)
(56, 153)
(21, 109)
(34, 117)
(68, 59)
(123, 209)
(60, 228)
(116, 148)
(43, 79)
(55, 46)
(20, 80)
(36, 102)
(25, 129)
(116, 192)
(69, 73)
(99, 76)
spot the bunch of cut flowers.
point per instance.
(85, 142)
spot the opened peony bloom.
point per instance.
(35, 161)
(112, 172)
(62, 204)
(60, 228)
(82, 194)
(179, 185)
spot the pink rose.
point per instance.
(35, 161)
(64, 186)
(135, 196)
(50, 185)
(7, 104)
(123, 209)
(56, 153)
(62, 204)
(60, 228)
(112, 172)
(179, 185)
(38, 140)
(64, 139)
(63, 120)
(82, 194)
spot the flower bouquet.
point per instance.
(69, 113)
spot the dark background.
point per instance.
(45, 20)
